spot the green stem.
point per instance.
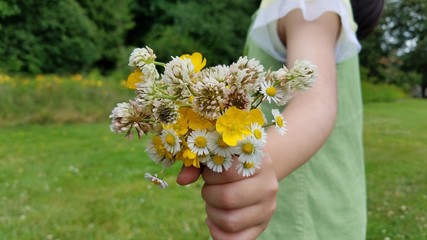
(268, 124)
(167, 97)
(159, 63)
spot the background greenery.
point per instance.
(64, 175)
(77, 36)
(79, 181)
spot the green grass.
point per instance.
(80, 181)
(83, 182)
(396, 155)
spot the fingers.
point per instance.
(188, 175)
(243, 192)
(240, 194)
(247, 234)
(244, 204)
(236, 220)
(231, 175)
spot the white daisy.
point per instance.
(279, 121)
(155, 149)
(217, 162)
(271, 92)
(198, 142)
(217, 146)
(248, 168)
(259, 133)
(204, 158)
(170, 140)
(250, 150)
(154, 179)
(158, 153)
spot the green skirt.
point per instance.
(325, 199)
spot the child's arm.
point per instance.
(311, 114)
(240, 208)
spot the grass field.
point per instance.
(80, 181)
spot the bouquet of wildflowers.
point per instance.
(205, 116)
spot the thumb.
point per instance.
(188, 175)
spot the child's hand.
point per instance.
(240, 207)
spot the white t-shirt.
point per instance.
(264, 30)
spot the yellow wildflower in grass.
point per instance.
(5, 79)
(134, 78)
(40, 77)
(234, 125)
(77, 77)
(197, 59)
(195, 121)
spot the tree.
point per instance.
(397, 49)
(113, 19)
(46, 36)
(217, 29)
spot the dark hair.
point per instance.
(366, 14)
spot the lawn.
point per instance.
(80, 181)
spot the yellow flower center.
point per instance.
(257, 134)
(200, 142)
(271, 91)
(155, 181)
(221, 143)
(248, 148)
(279, 121)
(218, 160)
(248, 165)
(170, 139)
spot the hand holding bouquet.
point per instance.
(205, 116)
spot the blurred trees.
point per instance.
(69, 36)
(46, 36)
(396, 53)
(215, 28)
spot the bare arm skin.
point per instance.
(311, 114)
(240, 208)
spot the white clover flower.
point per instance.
(217, 163)
(220, 72)
(128, 115)
(279, 121)
(170, 140)
(239, 98)
(250, 150)
(154, 179)
(210, 98)
(248, 168)
(141, 56)
(143, 59)
(178, 75)
(271, 92)
(165, 111)
(150, 73)
(198, 142)
(246, 74)
(301, 76)
(258, 132)
(217, 146)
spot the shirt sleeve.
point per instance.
(264, 29)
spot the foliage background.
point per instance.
(77, 36)
(63, 64)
